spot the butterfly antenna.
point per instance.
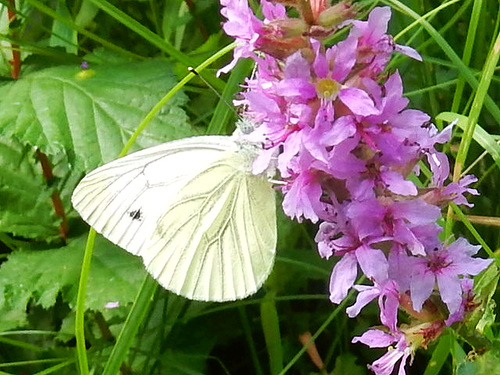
(193, 70)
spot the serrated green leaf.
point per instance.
(488, 318)
(485, 286)
(40, 276)
(486, 364)
(90, 114)
(26, 208)
(483, 315)
(115, 276)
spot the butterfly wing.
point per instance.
(124, 199)
(217, 241)
(227, 214)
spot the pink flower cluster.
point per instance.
(336, 126)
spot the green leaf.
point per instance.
(481, 136)
(486, 364)
(485, 286)
(91, 113)
(63, 35)
(40, 276)
(271, 328)
(25, 199)
(345, 363)
(439, 355)
(183, 363)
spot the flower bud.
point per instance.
(286, 27)
(282, 37)
(335, 15)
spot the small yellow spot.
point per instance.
(327, 88)
(85, 74)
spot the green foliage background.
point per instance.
(78, 117)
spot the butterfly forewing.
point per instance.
(123, 199)
(203, 224)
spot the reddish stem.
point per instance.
(16, 55)
(56, 199)
(197, 19)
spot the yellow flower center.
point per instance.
(327, 88)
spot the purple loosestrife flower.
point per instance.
(398, 353)
(453, 192)
(354, 244)
(467, 304)
(348, 150)
(444, 266)
(388, 301)
(331, 71)
(243, 26)
(375, 46)
(401, 344)
(277, 35)
(302, 196)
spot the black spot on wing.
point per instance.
(136, 214)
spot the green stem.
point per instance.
(171, 93)
(477, 106)
(250, 341)
(81, 350)
(469, 46)
(321, 329)
(131, 326)
(271, 329)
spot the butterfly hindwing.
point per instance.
(217, 242)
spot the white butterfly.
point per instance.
(204, 225)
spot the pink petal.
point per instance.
(397, 184)
(343, 276)
(422, 284)
(375, 338)
(358, 101)
(373, 262)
